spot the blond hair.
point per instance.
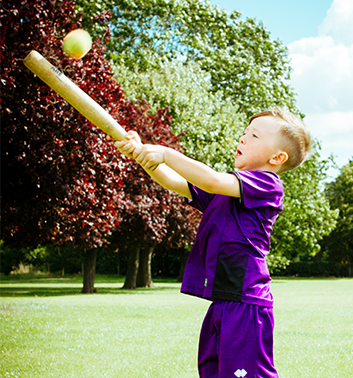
(294, 137)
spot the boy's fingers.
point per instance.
(149, 166)
(124, 147)
(119, 144)
(149, 163)
(133, 135)
(138, 159)
(130, 135)
(123, 144)
(138, 155)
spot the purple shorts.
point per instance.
(237, 341)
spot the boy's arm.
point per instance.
(170, 180)
(191, 170)
(161, 173)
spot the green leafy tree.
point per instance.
(339, 244)
(306, 217)
(240, 56)
(209, 128)
(214, 70)
(208, 125)
(11, 257)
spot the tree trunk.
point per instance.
(144, 275)
(89, 272)
(132, 267)
(183, 259)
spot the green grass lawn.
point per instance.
(49, 329)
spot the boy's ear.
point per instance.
(279, 159)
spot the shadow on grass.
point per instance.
(48, 291)
(32, 285)
(31, 291)
(55, 286)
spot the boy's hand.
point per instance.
(149, 156)
(132, 147)
(128, 146)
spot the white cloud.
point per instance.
(323, 74)
(339, 22)
(335, 131)
(323, 78)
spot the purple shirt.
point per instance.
(227, 261)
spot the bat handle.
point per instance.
(134, 142)
(137, 144)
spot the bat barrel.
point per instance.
(75, 96)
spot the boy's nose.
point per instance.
(242, 139)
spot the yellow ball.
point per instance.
(77, 43)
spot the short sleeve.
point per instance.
(260, 189)
(200, 199)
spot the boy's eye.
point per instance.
(254, 135)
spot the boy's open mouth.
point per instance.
(238, 153)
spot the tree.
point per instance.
(11, 257)
(246, 69)
(338, 245)
(156, 215)
(208, 126)
(306, 217)
(208, 129)
(240, 56)
(62, 182)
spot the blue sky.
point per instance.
(286, 20)
(319, 37)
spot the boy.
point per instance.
(227, 262)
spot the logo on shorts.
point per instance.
(240, 373)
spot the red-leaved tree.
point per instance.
(61, 181)
(159, 216)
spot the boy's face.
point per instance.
(258, 145)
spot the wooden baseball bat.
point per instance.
(75, 96)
